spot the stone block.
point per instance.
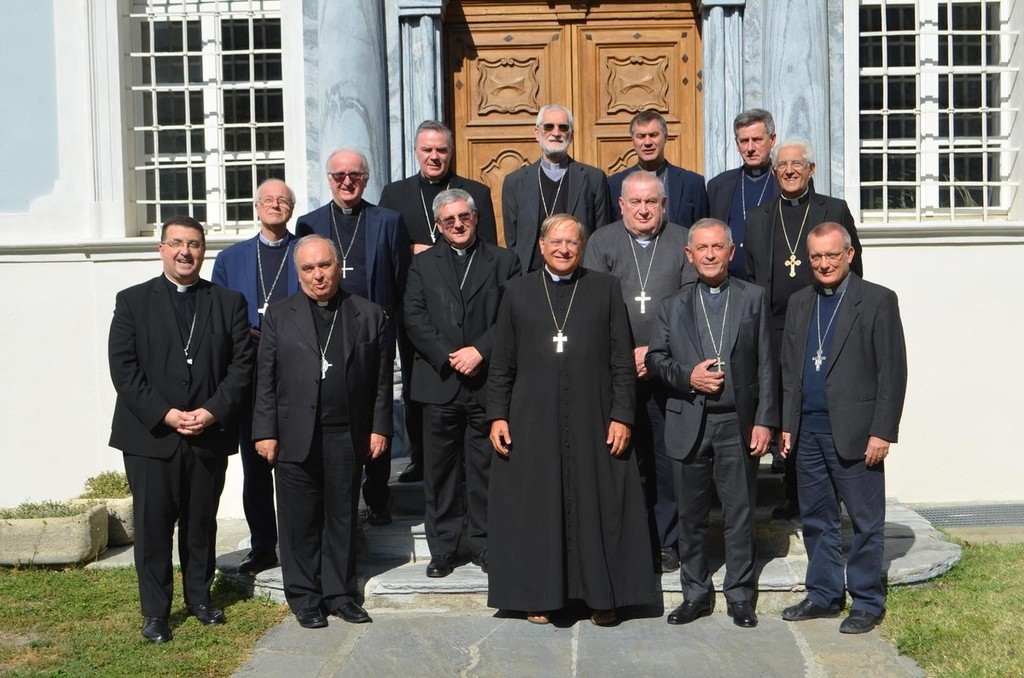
(120, 518)
(54, 541)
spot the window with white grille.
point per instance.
(205, 109)
(936, 114)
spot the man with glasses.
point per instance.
(261, 269)
(412, 198)
(775, 251)
(181, 361)
(375, 253)
(844, 376)
(645, 252)
(687, 198)
(566, 509)
(451, 304)
(554, 184)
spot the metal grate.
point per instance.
(974, 516)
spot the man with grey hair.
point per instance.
(712, 348)
(451, 304)
(734, 193)
(554, 184)
(775, 255)
(375, 252)
(646, 253)
(261, 268)
(412, 198)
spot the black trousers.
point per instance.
(257, 487)
(184, 488)
(457, 437)
(317, 502)
(720, 457)
(655, 465)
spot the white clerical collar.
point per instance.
(558, 278)
(755, 172)
(554, 166)
(797, 201)
(179, 286)
(465, 250)
(657, 171)
(272, 243)
(838, 289)
(716, 290)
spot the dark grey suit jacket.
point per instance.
(440, 318)
(404, 197)
(753, 368)
(288, 374)
(587, 191)
(866, 370)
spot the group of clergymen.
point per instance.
(573, 401)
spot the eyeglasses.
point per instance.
(569, 244)
(176, 244)
(830, 257)
(271, 202)
(563, 127)
(461, 217)
(795, 164)
(356, 177)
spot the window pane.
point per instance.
(266, 34)
(237, 139)
(234, 34)
(236, 106)
(269, 106)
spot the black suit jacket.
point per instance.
(440, 318)
(404, 197)
(151, 377)
(387, 250)
(759, 241)
(722, 188)
(288, 374)
(687, 197)
(866, 369)
(587, 193)
(753, 368)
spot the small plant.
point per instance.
(107, 485)
(42, 509)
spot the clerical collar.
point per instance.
(838, 289)
(756, 172)
(178, 286)
(447, 178)
(560, 278)
(796, 202)
(554, 166)
(656, 172)
(326, 303)
(273, 243)
(354, 210)
(468, 249)
(645, 239)
(715, 290)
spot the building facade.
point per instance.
(119, 113)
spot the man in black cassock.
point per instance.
(566, 509)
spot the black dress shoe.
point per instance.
(480, 560)
(806, 609)
(155, 629)
(413, 473)
(787, 510)
(440, 566)
(377, 516)
(860, 621)
(669, 560)
(742, 613)
(207, 614)
(691, 610)
(257, 561)
(352, 612)
(311, 618)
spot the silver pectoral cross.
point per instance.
(643, 299)
(345, 268)
(324, 366)
(560, 339)
(818, 359)
(792, 262)
(718, 364)
(262, 309)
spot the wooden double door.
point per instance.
(605, 61)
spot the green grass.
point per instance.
(87, 623)
(967, 622)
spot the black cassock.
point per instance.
(566, 519)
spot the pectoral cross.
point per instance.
(324, 366)
(345, 269)
(818, 359)
(792, 262)
(560, 339)
(262, 309)
(718, 364)
(643, 299)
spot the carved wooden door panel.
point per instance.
(605, 63)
